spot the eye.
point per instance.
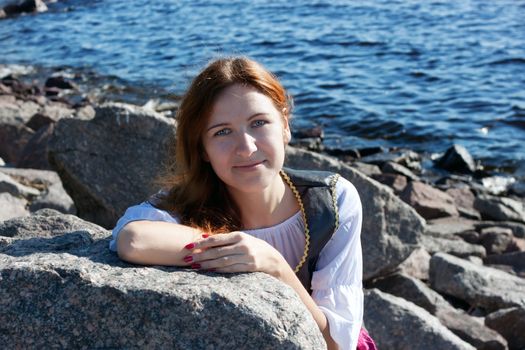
(222, 132)
(259, 122)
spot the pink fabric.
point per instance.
(364, 342)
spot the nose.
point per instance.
(246, 145)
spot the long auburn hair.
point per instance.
(192, 190)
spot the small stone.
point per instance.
(481, 286)
(395, 168)
(500, 208)
(367, 169)
(511, 324)
(429, 202)
(416, 265)
(394, 181)
(457, 158)
(496, 240)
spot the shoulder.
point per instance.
(311, 178)
(348, 200)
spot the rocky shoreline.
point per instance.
(443, 239)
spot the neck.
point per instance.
(271, 206)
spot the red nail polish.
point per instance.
(188, 258)
(195, 266)
(190, 246)
(205, 235)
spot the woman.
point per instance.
(229, 206)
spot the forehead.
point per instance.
(237, 100)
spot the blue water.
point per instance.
(422, 74)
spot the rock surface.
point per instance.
(477, 285)
(39, 188)
(428, 201)
(391, 229)
(466, 327)
(128, 142)
(457, 158)
(395, 323)
(65, 289)
(500, 208)
(511, 324)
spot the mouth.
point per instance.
(248, 165)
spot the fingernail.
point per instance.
(205, 235)
(195, 266)
(190, 246)
(188, 258)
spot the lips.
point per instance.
(248, 165)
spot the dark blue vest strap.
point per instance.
(316, 191)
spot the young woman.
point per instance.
(229, 206)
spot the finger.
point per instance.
(219, 263)
(235, 268)
(215, 241)
(215, 253)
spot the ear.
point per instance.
(205, 156)
(287, 135)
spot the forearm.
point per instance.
(288, 276)
(155, 243)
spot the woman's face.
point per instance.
(244, 139)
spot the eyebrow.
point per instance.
(224, 124)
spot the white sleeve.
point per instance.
(337, 281)
(142, 211)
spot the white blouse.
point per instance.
(336, 282)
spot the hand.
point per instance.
(235, 252)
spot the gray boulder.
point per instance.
(9, 185)
(416, 265)
(391, 228)
(12, 206)
(454, 245)
(518, 230)
(45, 189)
(14, 134)
(428, 201)
(65, 289)
(395, 323)
(500, 208)
(496, 240)
(464, 200)
(516, 260)
(129, 143)
(478, 285)
(457, 158)
(449, 226)
(466, 327)
(395, 168)
(511, 324)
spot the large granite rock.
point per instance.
(14, 134)
(108, 162)
(500, 208)
(428, 201)
(511, 324)
(463, 325)
(12, 206)
(395, 323)
(391, 228)
(454, 246)
(65, 289)
(478, 285)
(40, 188)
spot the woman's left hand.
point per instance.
(235, 252)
